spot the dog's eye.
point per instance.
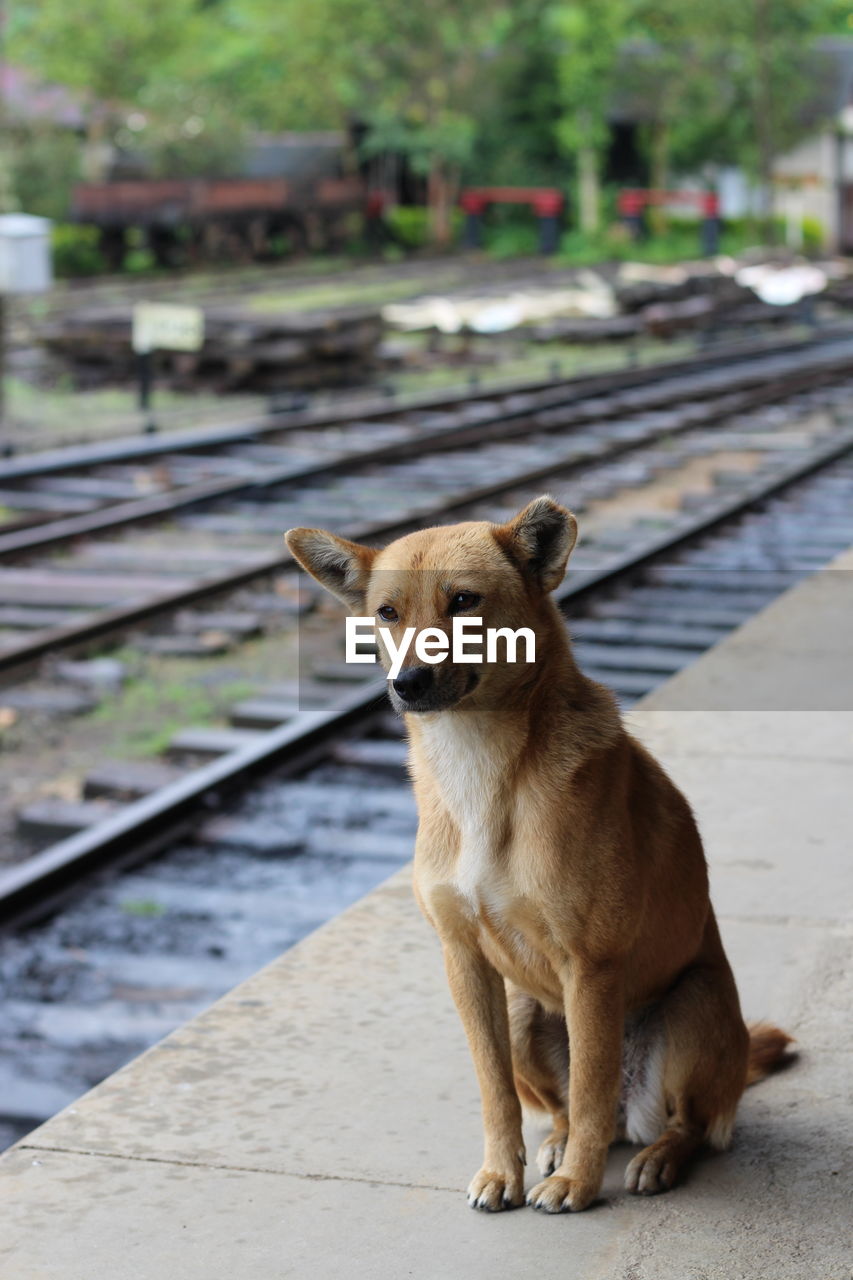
(387, 613)
(463, 600)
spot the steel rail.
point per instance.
(129, 448)
(20, 658)
(144, 827)
(502, 425)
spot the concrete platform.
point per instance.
(323, 1119)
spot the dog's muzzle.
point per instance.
(417, 689)
(414, 683)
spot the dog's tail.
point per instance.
(767, 1050)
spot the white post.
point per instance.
(25, 267)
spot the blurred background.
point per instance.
(210, 137)
(411, 106)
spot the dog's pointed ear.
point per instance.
(540, 539)
(342, 567)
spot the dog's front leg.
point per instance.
(594, 1003)
(480, 996)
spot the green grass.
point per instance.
(142, 907)
(532, 361)
(60, 413)
(679, 244)
(349, 291)
(151, 709)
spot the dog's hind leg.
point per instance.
(540, 1060)
(696, 1075)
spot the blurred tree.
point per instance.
(480, 88)
(586, 38)
(766, 47)
(272, 62)
(420, 78)
(839, 17)
(45, 164)
(107, 49)
(728, 82)
(181, 129)
(423, 92)
(516, 140)
(669, 68)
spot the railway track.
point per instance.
(182, 893)
(91, 479)
(79, 581)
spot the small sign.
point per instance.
(158, 326)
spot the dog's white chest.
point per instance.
(470, 775)
(478, 877)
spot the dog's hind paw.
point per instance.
(495, 1191)
(561, 1195)
(550, 1154)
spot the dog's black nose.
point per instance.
(413, 682)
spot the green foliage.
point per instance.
(75, 250)
(679, 242)
(423, 88)
(45, 165)
(181, 130)
(814, 234)
(714, 83)
(267, 61)
(754, 75)
(516, 141)
(748, 231)
(586, 39)
(139, 260)
(482, 91)
(508, 232)
(512, 242)
(410, 224)
(136, 69)
(579, 248)
(511, 231)
(105, 48)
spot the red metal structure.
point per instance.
(546, 202)
(634, 201)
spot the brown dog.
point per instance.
(561, 868)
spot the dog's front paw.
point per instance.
(651, 1172)
(493, 1191)
(561, 1195)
